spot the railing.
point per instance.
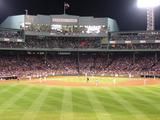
(65, 34)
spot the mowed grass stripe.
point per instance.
(116, 110)
(33, 110)
(51, 110)
(150, 91)
(82, 107)
(98, 108)
(143, 98)
(139, 115)
(8, 88)
(9, 103)
(67, 107)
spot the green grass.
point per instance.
(32, 102)
(91, 78)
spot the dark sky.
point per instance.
(128, 16)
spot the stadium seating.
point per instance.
(95, 64)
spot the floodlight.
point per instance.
(148, 3)
(93, 29)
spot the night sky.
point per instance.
(128, 16)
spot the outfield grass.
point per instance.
(32, 102)
(91, 79)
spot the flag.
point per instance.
(66, 5)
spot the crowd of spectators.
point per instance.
(72, 43)
(135, 46)
(38, 65)
(136, 36)
(11, 34)
(63, 30)
(51, 43)
(144, 40)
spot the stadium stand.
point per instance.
(73, 45)
(23, 65)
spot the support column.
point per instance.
(134, 57)
(150, 19)
(45, 57)
(156, 57)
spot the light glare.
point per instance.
(148, 3)
(93, 29)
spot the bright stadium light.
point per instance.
(93, 29)
(149, 5)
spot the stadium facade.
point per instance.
(61, 26)
(104, 30)
(16, 22)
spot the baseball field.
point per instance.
(62, 98)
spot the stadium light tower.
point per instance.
(149, 5)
